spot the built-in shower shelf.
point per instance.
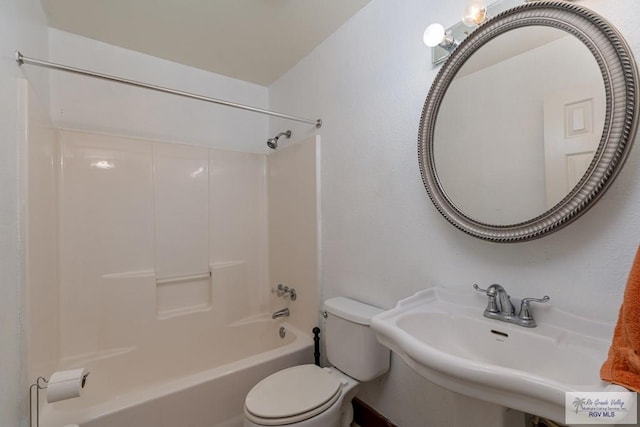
(183, 294)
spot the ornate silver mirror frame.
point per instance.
(620, 78)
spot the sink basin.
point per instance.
(443, 336)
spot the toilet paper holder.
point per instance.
(37, 386)
(41, 384)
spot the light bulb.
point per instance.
(433, 35)
(474, 13)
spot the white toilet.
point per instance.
(310, 396)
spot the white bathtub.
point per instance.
(201, 383)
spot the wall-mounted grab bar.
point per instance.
(173, 279)
(21, 59)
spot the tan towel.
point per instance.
(622, 366)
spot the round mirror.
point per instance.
(528, 122)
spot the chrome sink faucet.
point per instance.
(500, 307)
(280, 313)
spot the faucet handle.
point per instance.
(525, 309)
(492, 305)
(491, 291)
(479, 289)
(283, 291)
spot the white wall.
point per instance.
(22, 26)
(84, 103)
(382, 239)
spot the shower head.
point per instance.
(273, 142)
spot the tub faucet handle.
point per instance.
(283, 291)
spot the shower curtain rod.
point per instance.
(21, 59)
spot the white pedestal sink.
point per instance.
(443, 336)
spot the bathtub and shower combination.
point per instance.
(165, 278)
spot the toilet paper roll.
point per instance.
(66, 384)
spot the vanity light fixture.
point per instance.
(476, 12)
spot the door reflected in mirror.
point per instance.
(519, 125)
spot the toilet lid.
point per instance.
(292, 392)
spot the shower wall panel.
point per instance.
(142, 224)
(181, 184)
(294, 191)
(238, 230)
(181, 181)
(107, 234)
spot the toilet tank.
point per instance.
(351, 344)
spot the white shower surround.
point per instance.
(134, 213)
(139, 221)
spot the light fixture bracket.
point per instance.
(459, 31)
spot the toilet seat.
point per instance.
(292, 395)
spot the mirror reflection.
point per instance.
(519, 125)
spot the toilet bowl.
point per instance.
(301, 396)
(310, 396)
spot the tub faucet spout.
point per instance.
(280, 313)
